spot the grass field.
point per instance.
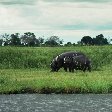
(26, 70)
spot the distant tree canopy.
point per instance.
(41, 41)
(6, 39)
(29, 39)
(14, 40)
(53, 41)
(99, 40)
(87, 40)
(68, 44)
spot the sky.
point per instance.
(70, 20)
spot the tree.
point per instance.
(15, 40)
(6, 39)
(74, 44)
(41, 41)
(68, 44)
(53, 41)
(29, 39)
(109, 40)
(100, 40)
(79, 43)
(87, 40)
(1, 42)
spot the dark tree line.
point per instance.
(87, 40)
(98, 40)
(29, 39)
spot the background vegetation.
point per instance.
(27, 70)
(40, 57)
(29, 39)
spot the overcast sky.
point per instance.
(68, 19)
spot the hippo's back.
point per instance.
(70, 54)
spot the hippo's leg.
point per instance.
(73, 70)
(57, 69)
(89, 68)
(65, 68)
(84, 69)
(70, 70)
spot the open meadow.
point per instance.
(27, 70)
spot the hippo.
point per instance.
(80, 62)
(58, 61)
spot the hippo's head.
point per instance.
(54, 66)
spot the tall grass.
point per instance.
(40, 57)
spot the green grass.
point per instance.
(33, 81)
(27, 70)
(40, 57)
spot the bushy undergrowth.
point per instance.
(40, 57)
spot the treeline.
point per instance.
(29, 39)
(87, 40)
(98, 40)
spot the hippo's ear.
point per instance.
(56, 58)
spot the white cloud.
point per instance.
(44, 15)
(93, 1)
(72, 14)
(21, 2)
(70, 20)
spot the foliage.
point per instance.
(53, 41)
(41, 41)
(6, 39)
(68, 44)
(29, 39)
(15, 41)
(99, 40)
(87, 40)
(40, 58)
